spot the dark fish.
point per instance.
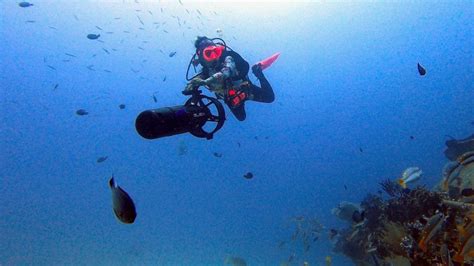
(75, 16)
(181, 3)
(248, 175)
(82, 112)
(92, 36)
(457, 147)
(55, 87)
(68, 54)
(30, 21)
(216, 154)
(102, 159)
(411, 137)
(172, 54)
(256, 137)
(141, 48)
(122, 106)
(91, 67)
(467, 192)
(164, 78)
(150, 12)
(99, 28)
(50, 66)
(53, 28)
(345, 187)
(141, 21)
(122, 203)
(25, 4)
(199, 12)
(421, 70)
(107, 71)
(361, 150)
(238, 144)
(105, 50)
(165, 31)
(154, 98)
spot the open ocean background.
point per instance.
(346, 81)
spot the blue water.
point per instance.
(346, 79)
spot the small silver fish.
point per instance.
(122, 203)
(410, 175)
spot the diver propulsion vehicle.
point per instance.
(191, 117)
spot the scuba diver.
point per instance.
(225, 73)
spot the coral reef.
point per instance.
(415, 226)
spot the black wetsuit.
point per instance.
(232, 69)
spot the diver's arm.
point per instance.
(227, 71)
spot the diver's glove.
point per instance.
(257, 71)
(198, 82)
(194, 84)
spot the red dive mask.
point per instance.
(212, 52)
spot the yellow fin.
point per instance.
(402, 183)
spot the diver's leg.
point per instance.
(239, 112)
(264, 93)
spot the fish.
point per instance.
(141, 21)
(99, 28)
(181, 3)
(53, 28)
(75, 17)
(411, 137)
(107, 71)
(105, 50)
(122, 203)
(432, 227)
(50, 66)
(91, 67)
(122, 106)
(360, 149)
(172, 54)
(410, 175)
(421, 70)
(102, 159)
(25, 4)
(30, 21)
(216, 154)
(154, 98)
(82, 112)
(345, 187)
(164, 78)
(92, 36)
(56, 86)
(248, 175)
(71, 55)
(458, 147)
